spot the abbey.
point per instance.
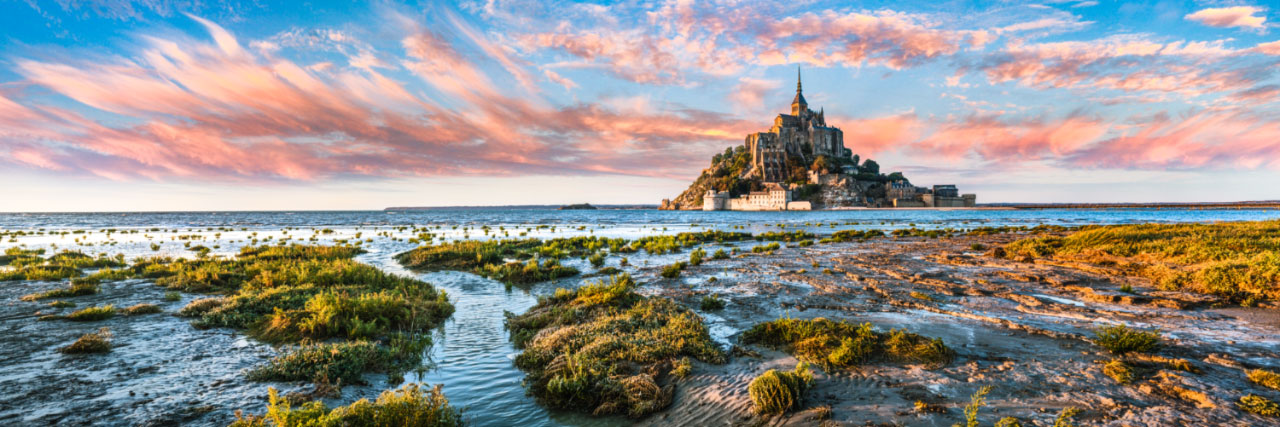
(801, 163)
(803, 133)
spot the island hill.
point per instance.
(801, 164)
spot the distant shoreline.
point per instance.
(1266, 204)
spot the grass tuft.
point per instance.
(603, 349)
(1120, 339)
(343, 361)
(410, 405)
(94, 342)
(142, 309)
(1265, 378)
(91, 314)
(673, 271)
(841, 345)
(1119, 371)
(712, 303)
(775, 392)
(1256, 404)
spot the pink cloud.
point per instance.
(720, 39)
(203, 110)
(1127, 63)
(1225, 17)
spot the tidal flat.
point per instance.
(904, 321)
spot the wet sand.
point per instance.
(1022, 328)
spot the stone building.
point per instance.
(803, 134)
(948, 196)
(775, 197)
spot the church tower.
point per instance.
(798, 105)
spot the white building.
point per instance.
(775, 197)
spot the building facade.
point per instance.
(775, 197)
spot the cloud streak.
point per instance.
(278, 119)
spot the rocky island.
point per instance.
(801, 163)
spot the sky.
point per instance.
(112, 105)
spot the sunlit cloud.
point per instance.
(1227, 17)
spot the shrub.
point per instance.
(695, 257)
(1256, 404)
(94, 342)
(1265, 378)
(90, 314)
(597, 260)
(1119, 371)
(720, 254)
(410, 405)
(142, 309)
(597, 349)
(775, 392)
(769, 248)
(839, 344)
(61, 304)
(712, 303)
(673, 271)
(1119, 339)
(172, 296)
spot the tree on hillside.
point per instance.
(870, 167)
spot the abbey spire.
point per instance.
(798, 105)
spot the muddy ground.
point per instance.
(1021, 327)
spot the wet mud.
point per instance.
(1023, 328)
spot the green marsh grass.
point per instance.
(75, 290)
(93, 342)
(603, 349)
(284, 294)
(140, 309)
(776, 392)
(1119, 371)
(711, 303)
(1260, 405)
(529, 272)
(673, 271)
(1120, 339)
(1239, 261)
(1265, 378)
(841, 345)
(343, 361)
(409, 405)
(92, 314)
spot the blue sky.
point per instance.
(157, 105)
